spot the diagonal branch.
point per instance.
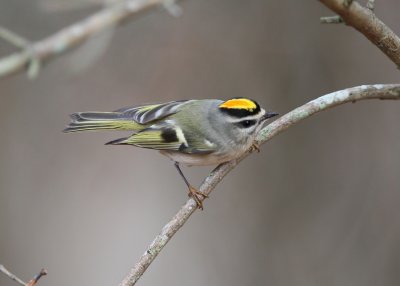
(76, 34)
(389, 91)
(37, 277)
(11, 276)
(13, 38)
(31, 282)
(364, 20)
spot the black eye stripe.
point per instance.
(246, 123)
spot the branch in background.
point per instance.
(13, 277)
(322, 103)
(331, 20)
(13, 38)
(365, 21)
(35, 279)
(34, 54)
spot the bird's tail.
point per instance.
(83, 121)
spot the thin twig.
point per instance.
(76, 34)
(13, 38)
(35, 279)
(365, 21)
(11, 276)
(266, 134)
(31, 282)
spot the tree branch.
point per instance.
(364, 20)
(35, 279)
(13, 38)
(354, 94)
(76, 34)
(13, 277)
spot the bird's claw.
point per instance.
(197, 196)
(255, 147)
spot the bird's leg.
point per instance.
(194, 193)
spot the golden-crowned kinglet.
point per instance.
(191, 132)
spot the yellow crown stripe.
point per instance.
(239, 103)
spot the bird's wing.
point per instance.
(165, 136)
(148, 113)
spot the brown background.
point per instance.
(318, 206)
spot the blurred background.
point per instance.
(318, 206)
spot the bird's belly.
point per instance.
(198, 159)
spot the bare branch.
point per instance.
(35, 279)
(11, 276)
(76, 34)
(365, 21)
(13, 38)
(266, 134)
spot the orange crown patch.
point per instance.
(239, 103)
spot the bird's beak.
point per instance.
(268, 115)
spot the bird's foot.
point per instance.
(255, 147)
(197, 196)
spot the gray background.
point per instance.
(318, 205)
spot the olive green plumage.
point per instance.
(224, 129)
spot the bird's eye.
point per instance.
(246, 123)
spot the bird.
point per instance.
(194, 132)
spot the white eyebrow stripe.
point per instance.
(237, 120)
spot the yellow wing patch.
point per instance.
(239, 103)
(152, 139)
